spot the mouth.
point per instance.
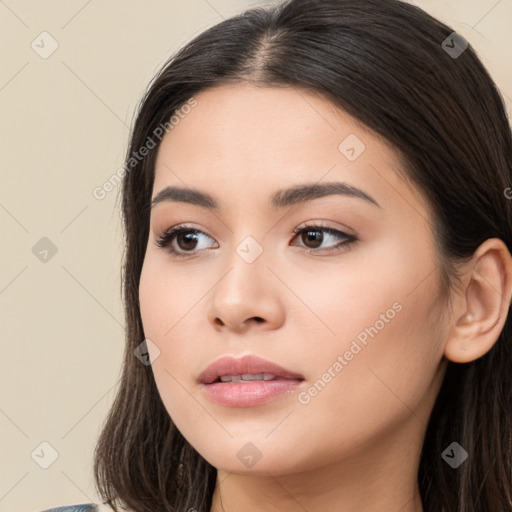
(246, 369)
(247, 382)
(248, 377)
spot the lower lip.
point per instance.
(248, 394)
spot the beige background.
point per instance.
(64, 128)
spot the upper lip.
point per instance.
(229, 365)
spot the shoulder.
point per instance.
(84, 507)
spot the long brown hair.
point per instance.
(410, 79)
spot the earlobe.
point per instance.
(484, 310)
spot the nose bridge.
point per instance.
(248, 235)
(247, 267)
(246, 290)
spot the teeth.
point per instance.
(247, 377)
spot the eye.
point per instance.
(186, 239)
(183, 241)
(313, 236)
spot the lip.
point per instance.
(247, 394)
(229, 365)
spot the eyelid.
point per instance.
(322, 224)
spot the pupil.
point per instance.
(188, 237)
(314, 236)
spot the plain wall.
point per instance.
(64, 124)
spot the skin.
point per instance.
(355, 446)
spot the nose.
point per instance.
(249, 294)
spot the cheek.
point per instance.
(384, 356)
(382, 318)
(361, 392)
(165, 300)
(345, 298)
(166, 295)
(153, 303)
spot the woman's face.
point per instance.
(355, 311)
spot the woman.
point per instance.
(317, 275)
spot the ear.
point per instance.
(481, 313)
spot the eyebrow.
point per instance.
(280, 199)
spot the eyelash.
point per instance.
(164, 240)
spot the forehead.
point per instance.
(251, 141)
(262, 122)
